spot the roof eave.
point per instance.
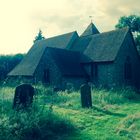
(72, 75)
(15, 75)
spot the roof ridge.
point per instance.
(61, 49)
(90, 30)
(56, 36)
(101, 47)
(61, 35)
(40, 60)
(124, 28)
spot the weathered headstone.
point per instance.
(23, 96)
(86, 100)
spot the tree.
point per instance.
(39, 36)
(137, 41)
(133, 22)
(7, 63)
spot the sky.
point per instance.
(20, 20)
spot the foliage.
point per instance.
(7, 63)
(137, 41)
(132, 21)
(39, 36)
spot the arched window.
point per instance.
(46, 76)
(128, 69)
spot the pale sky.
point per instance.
(20, 20)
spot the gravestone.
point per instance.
(23, 96)
(86, 100)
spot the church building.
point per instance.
(105, 59)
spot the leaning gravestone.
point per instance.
(23, 96)
(86, 100)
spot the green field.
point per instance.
(115, 116)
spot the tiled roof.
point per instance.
(90, 30)
(30, 62)
(105, 46)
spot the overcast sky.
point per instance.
(20, 20)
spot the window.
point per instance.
(92, 74)
(46, 76)
(127, 69)
(95, 71)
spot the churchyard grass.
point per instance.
(115, 115)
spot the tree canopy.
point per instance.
(131, 21)
(39, 36)
(7, 63)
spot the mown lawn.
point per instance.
(115, 115)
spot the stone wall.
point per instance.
(102, 76)
(47, 62)
(56, 78)
(105, 75)
(12, 80)
(72, 82)
(112, 74)
(128, 49)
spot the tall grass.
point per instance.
(115, 96)
(36, 123)
(44, 122)
(129, 127)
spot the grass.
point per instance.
(36, 123)
(114, 115)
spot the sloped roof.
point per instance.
(30, 62)
(105, 46)
(90, 30)
(81, 43)
(69, 62)
(61, 41)
(101, 47)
